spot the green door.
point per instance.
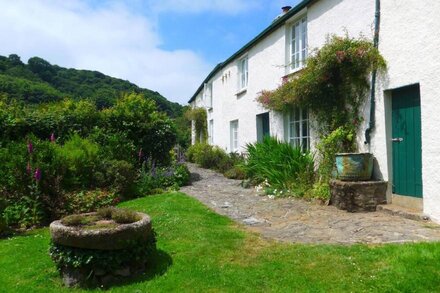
(407, 141)
(263, 126)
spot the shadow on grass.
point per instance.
(158, 265)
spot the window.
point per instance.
(243, 73)
(298, 128)
(234, 135)
(207, 95)
(211, 131)
(298, 44)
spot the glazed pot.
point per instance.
(354, 166)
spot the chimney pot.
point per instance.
(286, 9)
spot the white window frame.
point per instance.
(234, 126)
(298, 45)
(207, 95)
(297, 136)
(243, 73)
(211, 131)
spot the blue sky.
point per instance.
(165, 45)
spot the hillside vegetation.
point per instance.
(38, 81)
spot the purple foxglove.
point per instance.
(30, 147)
(37, 174)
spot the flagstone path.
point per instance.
(296, 220)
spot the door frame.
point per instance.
(403, 200)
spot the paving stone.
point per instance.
(299, 221)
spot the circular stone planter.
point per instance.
(119, 237)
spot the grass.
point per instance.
(201, 251)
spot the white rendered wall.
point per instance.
(409, 41)
(266, 68)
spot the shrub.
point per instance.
(153, 179)
(79, 157)
(87, 201)
(236, 172)
(120, 177)
(283, 166)
(181, 174)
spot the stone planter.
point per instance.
(117, 251)
(354, 166)
(119, 237)
(358, 196)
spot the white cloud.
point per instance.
(111, 38)
(197, 6)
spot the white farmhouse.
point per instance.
(404, 136)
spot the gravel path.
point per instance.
(294, 220)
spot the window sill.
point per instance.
(294, 71)
(241, 92)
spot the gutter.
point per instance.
(372, 122)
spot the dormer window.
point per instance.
(207, 95)
(243, 73)
(298, 44)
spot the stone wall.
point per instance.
(358, 196)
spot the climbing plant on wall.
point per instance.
(199, 116)
(333, 86)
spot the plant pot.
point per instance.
(354, 166)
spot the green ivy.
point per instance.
(199, 116)
(91, 259)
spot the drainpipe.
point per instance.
(372, 122)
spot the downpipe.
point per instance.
(372, 122)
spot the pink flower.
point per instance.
(52, 137)
(37, 174)
(30, 147)
(340, 56)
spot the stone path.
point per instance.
(294, 220)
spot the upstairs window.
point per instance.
(298, 44)
(243, 73)
(207, 95)
(298, 128)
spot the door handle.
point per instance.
(397, 139)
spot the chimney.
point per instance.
(286, 9)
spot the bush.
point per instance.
(120, 176)
(236, 172)
(181, 175)
(153, 179)
(79, 159)
(87, 201)
(283, 166)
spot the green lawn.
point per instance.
(201, 251)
